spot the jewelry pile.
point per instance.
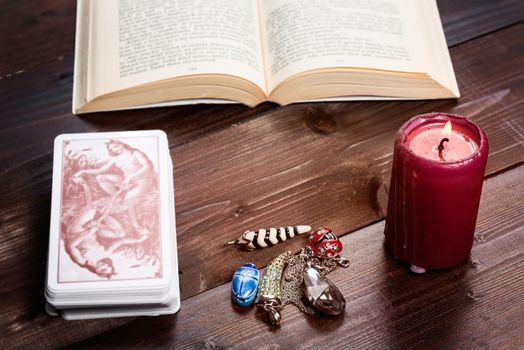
(303, 283)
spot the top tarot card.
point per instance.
(110, 211)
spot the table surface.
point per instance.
(235, 168)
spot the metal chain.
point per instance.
(291, 289)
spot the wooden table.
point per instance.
(238, 168)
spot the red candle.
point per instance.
(436, 181)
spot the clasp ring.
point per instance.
(344, 262)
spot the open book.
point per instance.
(138, 53)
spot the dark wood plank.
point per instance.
(312, 163)
(476, 305)
(465, 20)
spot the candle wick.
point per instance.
(441, 148)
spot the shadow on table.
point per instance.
(142, 332)
(424, 310)
(325, 324)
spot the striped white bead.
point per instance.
(303, 229)
(282, 234)
(248, 238)
(261, 238)
(273, 236)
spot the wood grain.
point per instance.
(235, 166)
(476, 305)
(463, 20)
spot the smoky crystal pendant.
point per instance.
(322, 293)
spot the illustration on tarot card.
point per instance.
(110, 208)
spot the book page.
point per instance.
(302, 35)
(142, 41)
(434, 47)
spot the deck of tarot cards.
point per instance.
(112, 246)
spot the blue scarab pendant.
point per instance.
(245, 284)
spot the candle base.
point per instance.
(417, 270)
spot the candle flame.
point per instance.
(447, 128)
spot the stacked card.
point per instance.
(112, 246)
